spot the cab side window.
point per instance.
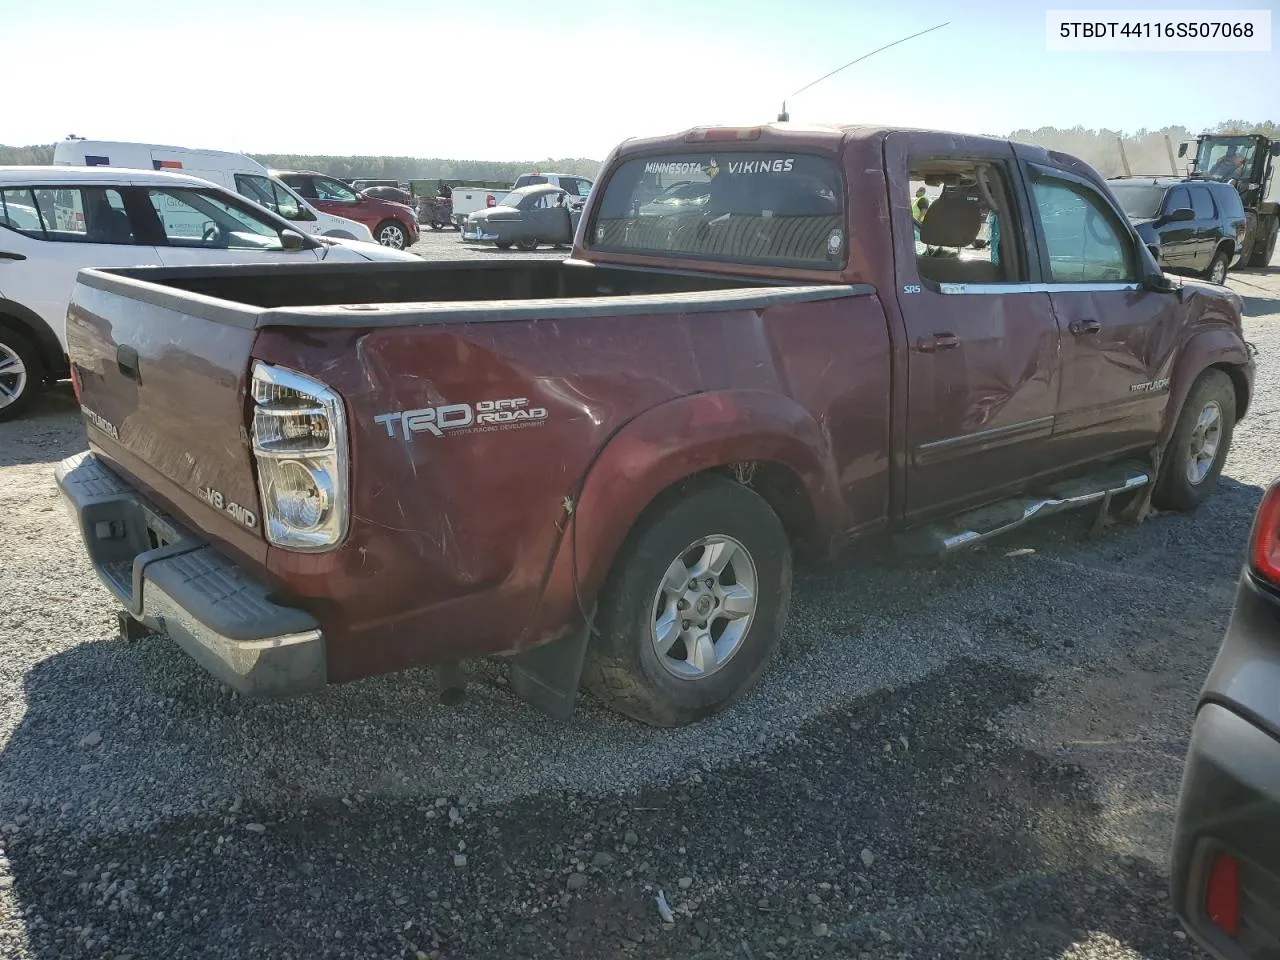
(326, 189)
(964, 222)
(1084, 241)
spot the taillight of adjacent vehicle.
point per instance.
(1264, 553)
(490, 201)
(75, 385)
(299, 438)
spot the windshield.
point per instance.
(1225, 158)
(749, 207)
(1139, 201)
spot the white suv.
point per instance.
(56, 220)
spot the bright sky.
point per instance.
(500, 80)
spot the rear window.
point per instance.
(1228, 199)
(743, 207)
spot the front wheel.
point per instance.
(21, 374)
(694, 607)
(502, 244)
(1216, 272)
(391, 234)
(1198, 448)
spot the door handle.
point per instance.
(127, 361)
(1081, 327)
(939, 341)
(6, 255)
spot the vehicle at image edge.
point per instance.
(1190, 225)
(1248, 162)
(601, 466)
(231, 171)
(56, 220)
(466, 199)
(578, 188)
(1225, 877)
(525, 217)
(392, 224)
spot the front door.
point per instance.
(1177, 237)
(202, 227)
(982, 369)
(1118, 338)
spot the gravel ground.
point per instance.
(973, 757)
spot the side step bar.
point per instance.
(966, 529)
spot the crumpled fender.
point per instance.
(1210, 346)
(658, 449)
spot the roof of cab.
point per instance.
(829, 136)
(107, 175)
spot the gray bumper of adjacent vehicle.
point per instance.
(182, 587)
(1230, 800)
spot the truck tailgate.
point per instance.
(163, 393)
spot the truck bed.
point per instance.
(465, 291)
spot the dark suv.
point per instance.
(1191, 225)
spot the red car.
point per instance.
(393, 224)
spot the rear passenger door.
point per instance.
(982, 341)
(1177, 238)
(57, 231)
(1207, 226)
(1117, 347)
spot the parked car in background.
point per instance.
(391, 194)
(56, 220)
(1226, 848)
(466, 199)
(360, 185)
(1191, 225)
(231, 171)
(578, 188)
(393, 225)
(526, 217)
(600, 465)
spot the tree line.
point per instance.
(1145, 149)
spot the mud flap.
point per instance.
(1141, 508)
(548, 676)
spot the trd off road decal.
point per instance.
(453, 419)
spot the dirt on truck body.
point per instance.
(312, 474)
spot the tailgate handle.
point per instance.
(127, 361)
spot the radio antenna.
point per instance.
(783, 117)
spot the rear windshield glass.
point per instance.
(1139, 201)
(755, 207)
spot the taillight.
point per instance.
(699, 134)
(300, 444)
(489, 201)
(1264, 552)
(75, 385)
(1222, 895)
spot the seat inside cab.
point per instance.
(959, 229)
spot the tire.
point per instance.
(1211, 403)
(527, 244)
(502, 244)
(1216, 272)
(624, 667)
(391, 234)
(21, 373)
(1264, 248)
(437, 225)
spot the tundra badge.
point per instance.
(1151, 386)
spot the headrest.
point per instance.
(951, 221)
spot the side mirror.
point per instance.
(1275, 148)
(292, 240)
(1182, 149)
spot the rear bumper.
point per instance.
(478, 235)
(180, 586)
(1230, 800)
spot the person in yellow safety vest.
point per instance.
(919, 205)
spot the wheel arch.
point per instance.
(27, 322)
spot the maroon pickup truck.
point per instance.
(601, 467)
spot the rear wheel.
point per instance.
(1264, 247)
(21, 373)
(502, 244)
(527, 244)
(1216, 272)
(694, 607)
(391, 234)
(437, 225)
(1198, 448)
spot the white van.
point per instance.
(231, 171)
